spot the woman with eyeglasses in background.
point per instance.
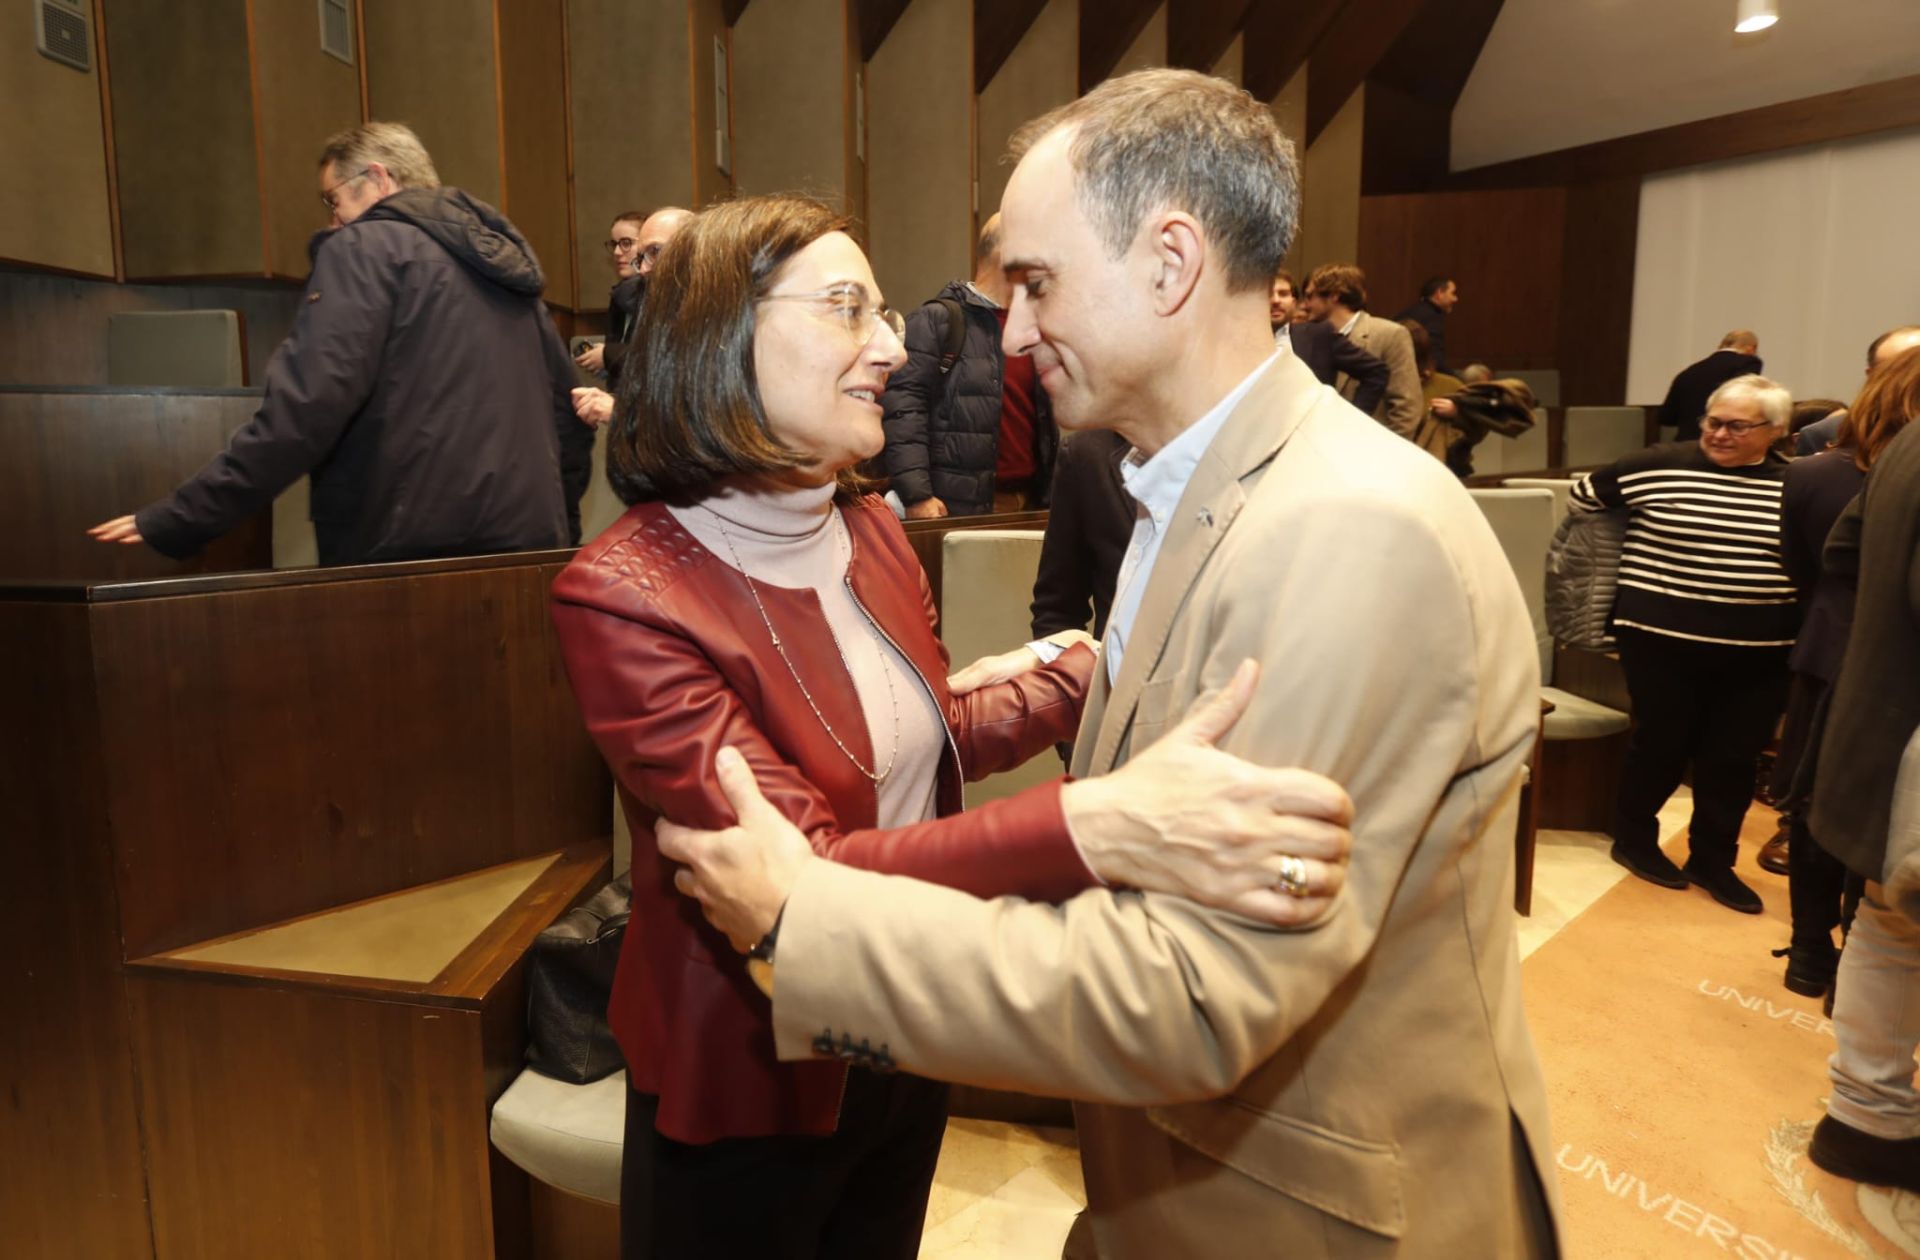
(1704, 618)
(753, 599)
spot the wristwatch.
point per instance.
(760, 957)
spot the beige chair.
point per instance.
(186, 349)
(986, 592)
(1560, 487)
(1600, 435)
(567, 1138)
(1581, 738)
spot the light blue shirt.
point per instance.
(1156, 486)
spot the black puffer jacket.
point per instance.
(943, 432)
(423, 387)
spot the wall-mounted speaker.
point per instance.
(336, 30)
(63, 30)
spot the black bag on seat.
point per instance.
(569, 981)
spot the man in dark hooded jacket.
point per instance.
(424, 387)
(969, 430)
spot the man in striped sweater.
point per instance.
(1704, 618)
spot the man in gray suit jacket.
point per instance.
(1362, 1087)
(1337, 296)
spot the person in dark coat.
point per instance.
(1885, 348)
(423, 387)
(1438, 296)
(1817, 490)
(1088, 529)
(634, 244)
(1325, 352)
(973, 433)
(1871, 1131)
(1686, 401)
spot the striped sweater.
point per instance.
(1702, 554)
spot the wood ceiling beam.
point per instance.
(1107, 29)
(876, 19)
(998, 28)
(1281, 36)
(1200, 31)
(1354, 43)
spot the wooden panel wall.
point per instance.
(304, 96)
(1503, 248)
(53, 329)
(920, 136)
(1149, 47)
(706, 23)
(1232, 63)
(632, 139)
(1596, 291)
(183, 138)
(791, 103)
(1330, 179)
(73, 460)
(1289, 108)
(1040, 74)
(265, 676)
(54, 208)
(381, 1150)
(533, 104)
(73, 1182)
(431, 64)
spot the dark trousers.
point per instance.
(1816, 880)
(1701, 705)
(861, 1192)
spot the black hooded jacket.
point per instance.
(943, 432)
(424, 388)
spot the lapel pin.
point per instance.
(1206, 517)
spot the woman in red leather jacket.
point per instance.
(751, 597)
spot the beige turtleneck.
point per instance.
(793, 537)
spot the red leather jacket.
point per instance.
(670, 663)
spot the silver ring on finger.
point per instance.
(1293, 876)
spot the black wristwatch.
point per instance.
(760, 957)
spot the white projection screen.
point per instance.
(1816, 249)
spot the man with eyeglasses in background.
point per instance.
(423, 387)
(634, 244)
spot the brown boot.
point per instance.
(1773, 854)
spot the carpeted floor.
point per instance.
(1685, 1080)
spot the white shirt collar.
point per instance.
(983, 297)
(1283, 337)
(1159, 482)
(1346, 329)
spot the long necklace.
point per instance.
(886, 668)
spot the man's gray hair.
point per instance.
(1774, 400)
(1180, 140)
(392, 145)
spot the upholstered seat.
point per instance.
(1575, 717)
(567, 1136)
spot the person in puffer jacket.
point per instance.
(424, 387)
(968, 431)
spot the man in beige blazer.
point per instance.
(1365, 1087)
(1336, 294)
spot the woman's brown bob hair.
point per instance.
(1890, 400)
(689, 411)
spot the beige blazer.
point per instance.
(1404, 405)
(1366, 1088)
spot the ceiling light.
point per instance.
(1755, 15)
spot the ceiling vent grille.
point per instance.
(336, 30)
(62, 30)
